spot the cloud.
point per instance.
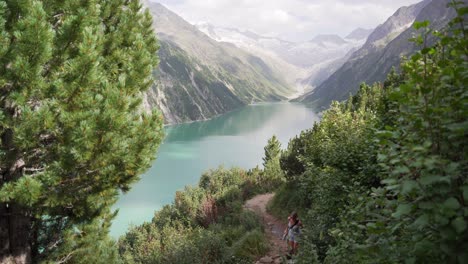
(276, 16)
(296, 20)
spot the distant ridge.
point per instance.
(382, 51)
(359, 34)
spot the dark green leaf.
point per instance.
(402, 209)
(452, 203)
(459, 224)
(408, 186)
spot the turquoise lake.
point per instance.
(234, 139)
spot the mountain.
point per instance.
(322, 70)
(359, 34)
(262, 46)
(270, 49)
(382, 51)
(328, 40)
(199, 78)
(303, 54)
(320, 49)
(304, 64)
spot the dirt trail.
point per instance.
(274, 228)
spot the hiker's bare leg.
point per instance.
(291, 247)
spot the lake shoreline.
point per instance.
(237, 109)
(234, 139)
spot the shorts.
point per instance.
(293, 237)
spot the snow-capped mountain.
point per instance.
(304, 63)
(303, 54)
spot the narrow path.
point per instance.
(274, 229)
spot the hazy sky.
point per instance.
(294, 20)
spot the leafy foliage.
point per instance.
(422, 216)
(383, 176)
(205, 224)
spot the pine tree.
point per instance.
(272, 175)
(272, 150)
(73, 133)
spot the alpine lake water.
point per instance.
(235, 139)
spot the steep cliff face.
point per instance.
(199, 78)
(187, 91)
(382, 51)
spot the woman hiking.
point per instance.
(292, 232)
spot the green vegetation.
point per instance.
(72, 133)
(383, 177)
(272, 176)
(205, 224)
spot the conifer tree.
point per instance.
(272, 175)
(272, 150)
(73, 133)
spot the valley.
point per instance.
(195, 132)
(230, 68)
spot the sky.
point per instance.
(293, 20)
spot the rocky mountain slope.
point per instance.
(303, 54)
(382, 51)
(359, 34)
(269, 49)
(199, 78)
(305, 64)
(332, 61)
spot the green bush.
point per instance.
(230, 233)
(205, 224)
(287, 198)
(422, 205)
(251, 245)
(383, 176)
(202, 247)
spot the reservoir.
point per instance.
(235, 139)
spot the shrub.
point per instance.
(251, 245)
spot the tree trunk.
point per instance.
(4, 237)
(15, 228)
(15, 222)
